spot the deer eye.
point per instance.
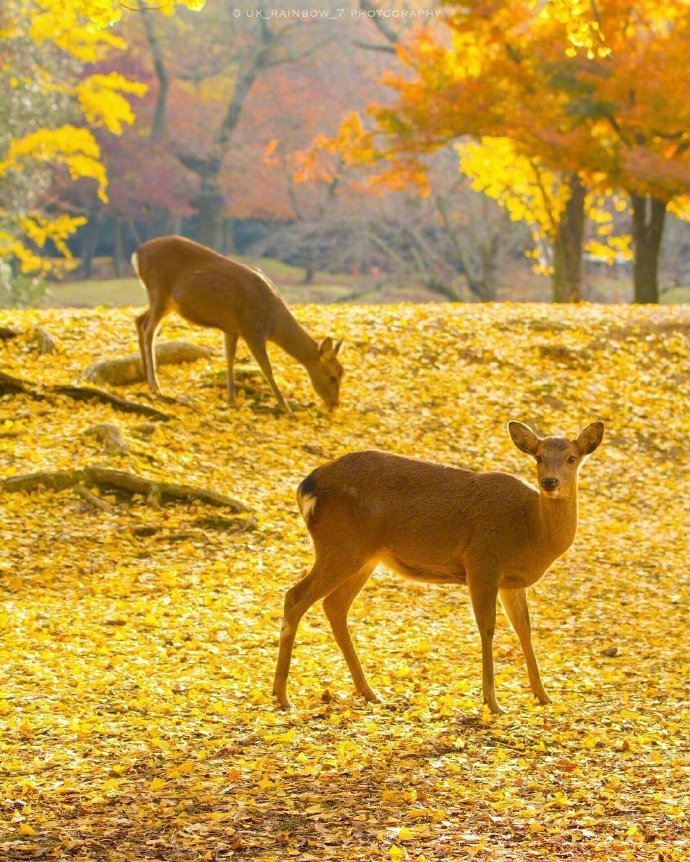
(572, 459)
(538, 459)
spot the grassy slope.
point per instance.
(135, 699)
(338, 288)
(119, 292)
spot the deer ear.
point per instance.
(325, 346)
(337, 346)
(523, 437)
(590, 438)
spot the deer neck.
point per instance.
(558, 521)
(295, 340)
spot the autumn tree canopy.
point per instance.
(511, 71)
(55, 102)
(115, 131)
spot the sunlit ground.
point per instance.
(135, 670)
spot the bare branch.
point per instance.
(379, 22)
(372, 46)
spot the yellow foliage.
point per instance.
(680, 207)
(79, 28)
(40, 229)
(528, 191)
(467, 59)
(354, 142)
(102, 102)
(63, 14)
(138, 643)
(62, 26)
(615, 249)
(582, 27)
(536, 195)
(70, 146)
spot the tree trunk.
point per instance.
(649, 215)
(210, 201)
(209, 204)
(229, 246)
(309, 271)
(89, 238)
(567, 251)
(159, 122)
(118, 247)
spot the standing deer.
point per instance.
(429, 522)
(211, 290)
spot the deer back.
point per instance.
(207, 288)
(414, 511)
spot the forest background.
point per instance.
(408, 151)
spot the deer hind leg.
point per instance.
(515, 606)
(326, 575)
(336, 606)
(147, 324)
(230, 340)
(258, 349)
(483, 593)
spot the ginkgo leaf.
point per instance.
(136, 696)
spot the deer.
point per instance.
(211, 290)
(430, 522)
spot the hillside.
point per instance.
(138, 642)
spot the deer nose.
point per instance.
(549, 484)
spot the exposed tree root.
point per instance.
(10, 385)
(156, 493)
(198, 530)
(94, 500)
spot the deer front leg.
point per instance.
(258, 349)
(483, 589)
(514, 603)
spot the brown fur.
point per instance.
(430, 522)
(211, 290)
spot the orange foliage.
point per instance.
(619, 113)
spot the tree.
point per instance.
(240, 84)
(552, 203)
(508, 70)
(55, 103)
(258, 45)
(636, 97)
(482, 82)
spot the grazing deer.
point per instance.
(211, 290)
(429, 522)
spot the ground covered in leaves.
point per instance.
(137, 640)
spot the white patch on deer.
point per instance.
(285, 630)
(307, 502)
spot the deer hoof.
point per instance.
(282, 700)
